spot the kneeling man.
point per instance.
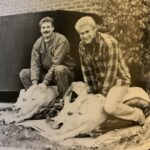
(51, 62)
(104, 70)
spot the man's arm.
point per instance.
(35, 65)
(61, 51)
(87, 73)
(112, 66)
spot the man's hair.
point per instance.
(87, 20)
(46, 19)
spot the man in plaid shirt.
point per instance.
(104, 70)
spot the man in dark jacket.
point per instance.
(51, 62)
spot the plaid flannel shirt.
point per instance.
(102, 64)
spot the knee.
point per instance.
(60, 69)
(117, 92)
(114, 98)
(110, 109)
(24, 73)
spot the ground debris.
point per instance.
(28, 138)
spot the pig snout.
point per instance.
(59, 125)
(54, 124)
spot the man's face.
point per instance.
(46, 29)
(87, 33)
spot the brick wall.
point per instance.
(10, 7)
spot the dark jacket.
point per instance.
(57, 53)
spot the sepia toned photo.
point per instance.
(75, 75)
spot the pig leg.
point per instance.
(28, 115)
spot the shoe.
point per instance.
(146, 110)
(141, 119)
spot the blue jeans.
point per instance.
(63, 77)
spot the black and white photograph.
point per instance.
(74, 75)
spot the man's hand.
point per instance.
(32, 87)
(42, 87)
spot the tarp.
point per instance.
(108, 138)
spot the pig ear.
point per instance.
(78, 87)
(67, 100)
(22, 91)
(67, 95)
(20, 97)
